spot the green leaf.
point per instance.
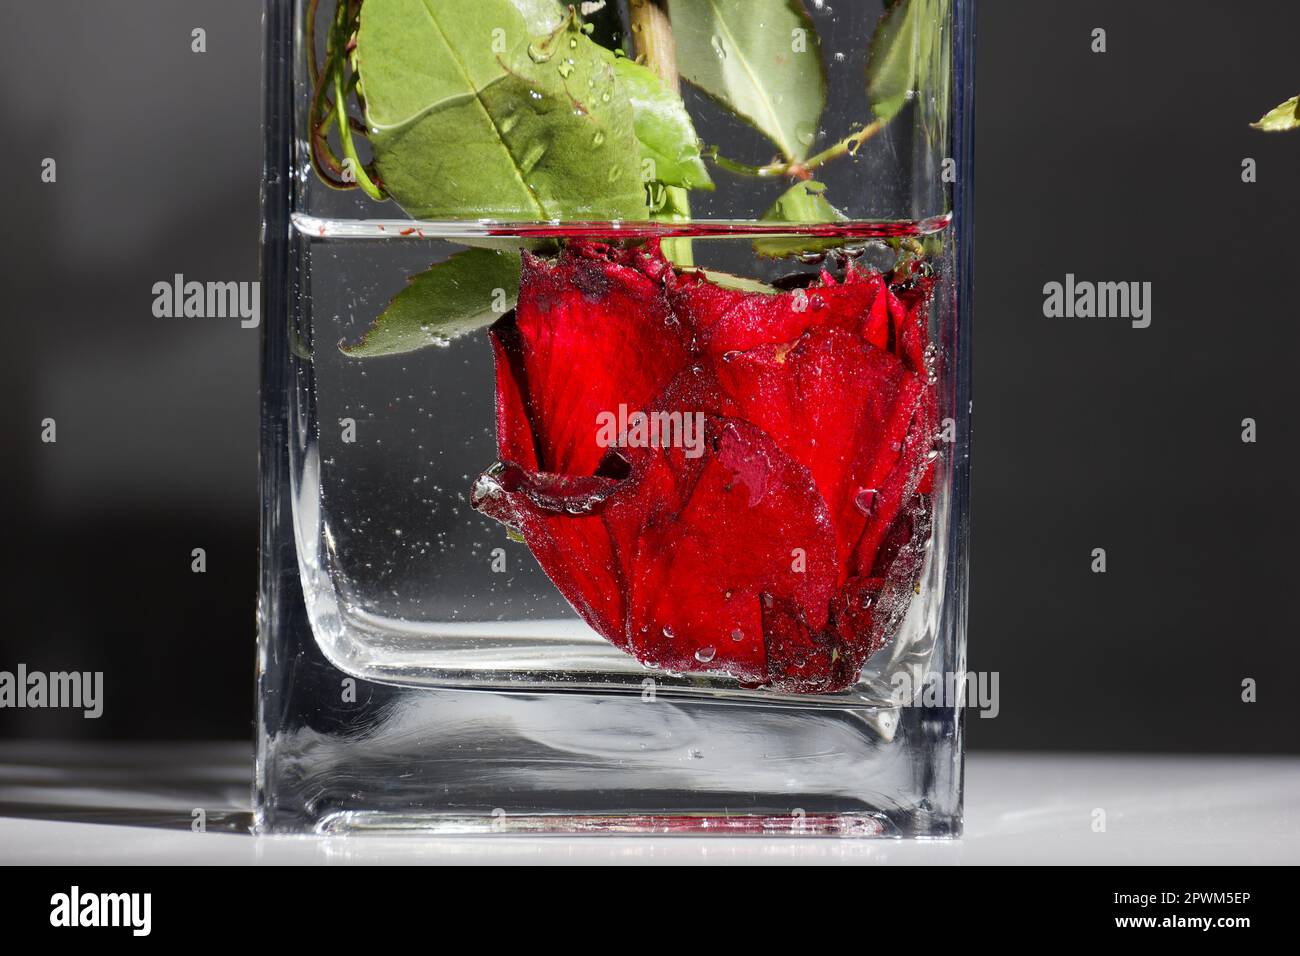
(760, 59)
(801, 203)
(673, 204)
(900, 55)
(472, 289)
(472, 117)
(1281, 118)
(663, 126)
(541, 17)
(739, 283)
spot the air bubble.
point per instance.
(706, 654)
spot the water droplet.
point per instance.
(539, 52)
(805, 134)
(565, 69)
(737, 635)
(598, 138)
(604, 97)
(668, 633)
(573, 43)
(716, 42)
(706, 654)
(614, 174)
(865, 501)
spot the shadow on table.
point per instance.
(139, 785)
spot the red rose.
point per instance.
(718, 480)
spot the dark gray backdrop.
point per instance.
(1122, 166)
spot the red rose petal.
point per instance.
(515, 441)
(579, 348)
(746, 525)
(786, 553)
(907, 311)
(727, 319)
(695, 543)
(568, 531)
(842, 409)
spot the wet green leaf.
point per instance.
(1281, 118)
(541, 16)
(663, 126)
(760, 59)
(802, 203)
(899, 59)
(470, 116)
(472, 289)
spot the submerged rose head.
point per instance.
(717, 480)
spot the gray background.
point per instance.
(1122, 166)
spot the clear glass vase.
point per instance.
(675, 537)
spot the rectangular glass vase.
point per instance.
(420, 669)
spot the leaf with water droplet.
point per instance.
(663, 127)
(740, 52)
(540, 16)
(900, 58)
(454, 121)
(449, 300)
(802, 203)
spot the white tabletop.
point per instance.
(92, 804)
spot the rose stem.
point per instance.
(848, 145)
(655, 46)
(652, 37)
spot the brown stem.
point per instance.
(652, 37)
(310, 39)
